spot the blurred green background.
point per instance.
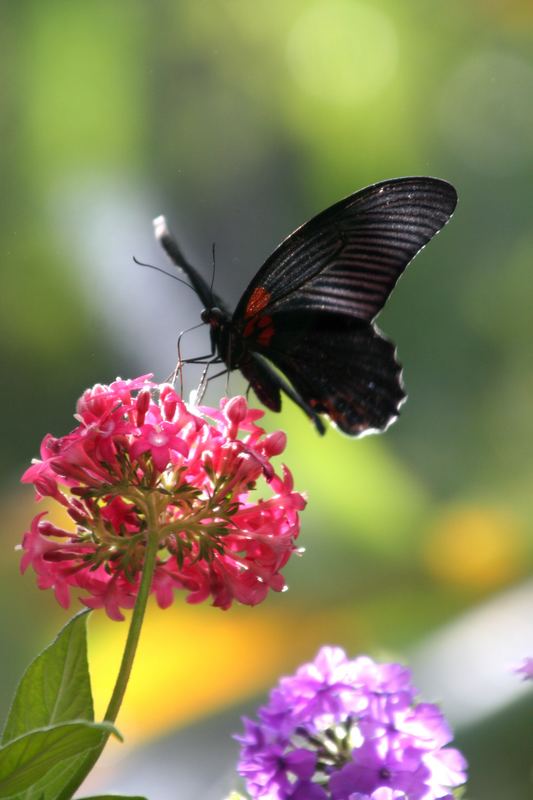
(240, 120)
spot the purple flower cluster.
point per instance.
(349, 730)
(525, 669)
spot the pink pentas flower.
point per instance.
(139, 453)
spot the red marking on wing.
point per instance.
(266, 335)
(261, 327)
(249, 328)
(258, 300)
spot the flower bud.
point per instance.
(169, 401)
(236, 409)
(275, 443)
(142, 404)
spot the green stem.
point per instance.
(127, 657)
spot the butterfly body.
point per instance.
(305, 324)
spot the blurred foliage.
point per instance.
(241, 120)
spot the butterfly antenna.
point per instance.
(164, 272)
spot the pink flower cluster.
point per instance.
(140, 459)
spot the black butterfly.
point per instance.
(309, 312)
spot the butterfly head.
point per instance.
(215, 317)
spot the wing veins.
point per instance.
(307, 279)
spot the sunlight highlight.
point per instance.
(344, 52)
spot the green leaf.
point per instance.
(56, 686)
(32, 760)
(53, 783)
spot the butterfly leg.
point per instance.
(179, 365)
(204, 380)
(178, 369)
(206, 359)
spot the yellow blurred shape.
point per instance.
(475, 546)
(193, 661)
(344, 51)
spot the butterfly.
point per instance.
(305, 326)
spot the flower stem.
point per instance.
(134, 630)
(127, 657)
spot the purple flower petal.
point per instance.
(349, 730)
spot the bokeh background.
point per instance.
(239, 120)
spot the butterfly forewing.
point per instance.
(348, 258)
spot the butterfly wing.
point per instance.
(309, 309)
(348, 258)
(267, 388)
(268, 384)
(339, 366)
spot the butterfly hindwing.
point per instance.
(341, 366)
(262, 382)
(348, 258)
